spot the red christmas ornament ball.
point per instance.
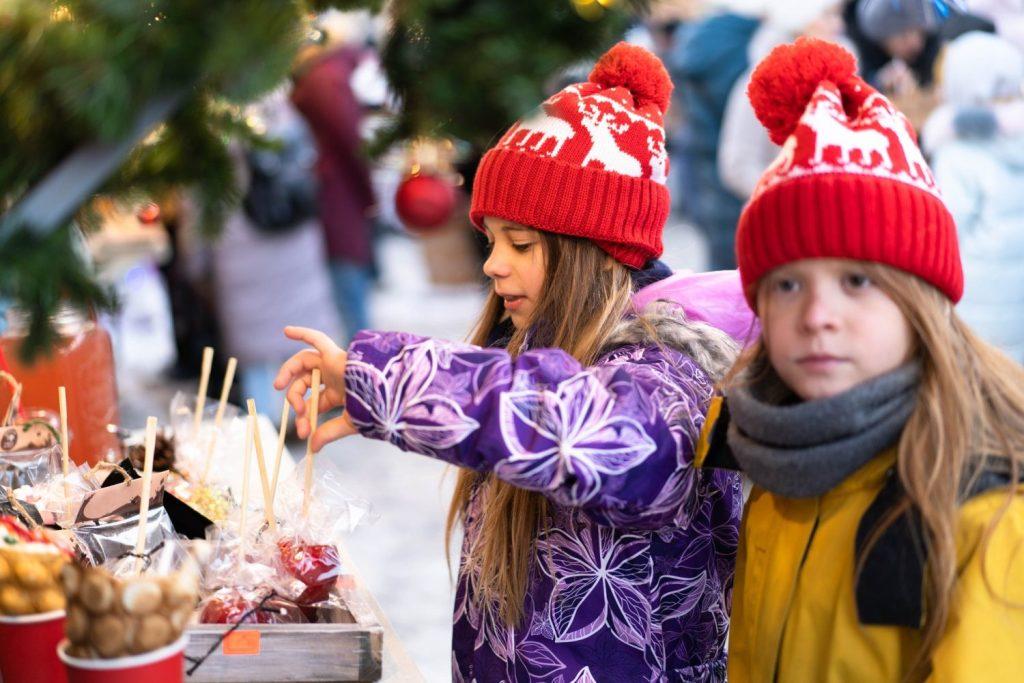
(425, 201)
(148, 214)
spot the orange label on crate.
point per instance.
(242, 643)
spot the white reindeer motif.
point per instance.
(829, 132)
(604, 148)
(885, 116)
(549, 127)
(659, 160)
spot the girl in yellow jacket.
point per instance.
(884, 536)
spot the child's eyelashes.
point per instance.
(857, 281)
(522, 247)
(852, 281)
(785, 285)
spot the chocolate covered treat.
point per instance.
(163, 455)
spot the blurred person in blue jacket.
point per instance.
(708, 57)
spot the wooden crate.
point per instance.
(348, 650)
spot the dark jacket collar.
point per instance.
(889, 590)
(653, 271)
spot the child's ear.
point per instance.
(609, 262)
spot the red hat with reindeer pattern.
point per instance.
(590, 161)
(850, 181)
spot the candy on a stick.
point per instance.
(65, 446)
(218, 418)
(204, 383)
(234, 605)
(314, 564)
(15, 401)
(268, 501)
(314, 413)
(282, 431)
(250, 426)
(147, 483)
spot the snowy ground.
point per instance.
(402, 554)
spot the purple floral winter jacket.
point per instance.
(633, 576)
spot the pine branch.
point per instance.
(77, 73)
(49, 270)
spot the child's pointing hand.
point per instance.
(296, 375)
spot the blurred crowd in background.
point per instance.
(300, 249)
(328, 236)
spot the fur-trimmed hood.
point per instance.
(666, 323)
(703, 315)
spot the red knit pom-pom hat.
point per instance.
(590, 161)
(850, 181)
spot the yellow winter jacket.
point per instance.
(794, 608)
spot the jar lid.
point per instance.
(67, 320)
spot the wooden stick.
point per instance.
(15, 397)
(204, 385)
(65, 447)
(229, 378)
(250, 425)
(14, 406)
(268, 501)
(147, 483)
(314, 413)
(281, 433)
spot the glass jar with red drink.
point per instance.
(83, 361)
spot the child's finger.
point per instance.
(297, 394)
(329, 399)
(302, 362)
(302, 427)
(315, 338)
(332, 430)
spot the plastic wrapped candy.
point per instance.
(333, 512)
(55, 501)
(111, 540)
(27, 466)
(183, 419)
(312, 564)
(200, 454)
(231, 605)
(237, 582)
(306, 550)
(164, 454)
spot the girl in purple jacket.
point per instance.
(593, 550)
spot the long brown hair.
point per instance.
(585, 295)
(969, 416)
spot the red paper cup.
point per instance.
(28, 648)
(166, 665)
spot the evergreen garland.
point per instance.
(78, 72)
(469, 68)
(75, 73)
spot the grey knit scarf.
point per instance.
(804, 449)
